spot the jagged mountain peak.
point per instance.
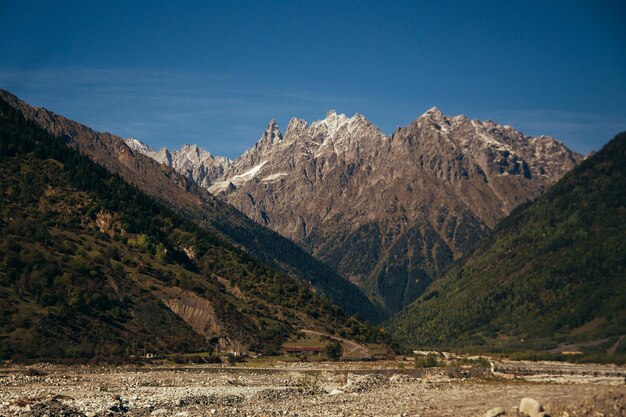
(474, 134)
(195, 154)
(296, 125)
(338, 127)
(435, 111)
(341, 118)
(272, 133)
(135, 142)
(433, 118)
(162, 156)
(425, 196)
(190, 160)
(433, 115)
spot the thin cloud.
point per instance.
(227, 115)
(164, 107)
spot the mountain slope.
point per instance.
(195, 203)
(552, 272)
(92, 266)
(390, 213)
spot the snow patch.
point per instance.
(138, 145)
(274, 177)
(249, 174)
(492, 143)
(218, 187)
(237, 179)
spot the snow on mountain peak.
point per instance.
(136, 144)
(433, 111)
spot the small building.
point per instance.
(303, 350)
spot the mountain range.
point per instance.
(549, 278)
(197, 204)
(469, 234)
(389, 213)
(94, 266)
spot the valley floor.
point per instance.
(294, 389)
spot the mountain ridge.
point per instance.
(550, 276)
(93, 267)
(412, 201)
(195, 203)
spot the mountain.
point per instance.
(192, 161)
(551, 276)
(196, 204)
(91, 266)
(390, 213)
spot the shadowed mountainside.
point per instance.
(550, 277)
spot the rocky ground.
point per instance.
(365, 389)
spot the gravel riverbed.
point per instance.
(291, 390)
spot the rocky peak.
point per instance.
(296, 126)
(161, 156)
(433, 112)
(270, 138)
(190, 160)
(136, 144)
(272, 133)
(434, 118)
(194, 153)
(330, 125)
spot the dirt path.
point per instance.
(613, 349)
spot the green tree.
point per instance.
(333, 351)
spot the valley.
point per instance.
(101, 237)
(312, 209)
(388, 212)
(94, 267)
(550, 277)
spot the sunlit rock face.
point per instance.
(388, 212)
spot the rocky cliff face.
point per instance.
(390, 212)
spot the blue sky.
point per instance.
(214, 73)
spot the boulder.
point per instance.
(531, 407)
(495, 412)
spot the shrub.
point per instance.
(333, 351)
(428, 361)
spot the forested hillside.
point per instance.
(196, 204)
(551, 277)
(92, 266)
